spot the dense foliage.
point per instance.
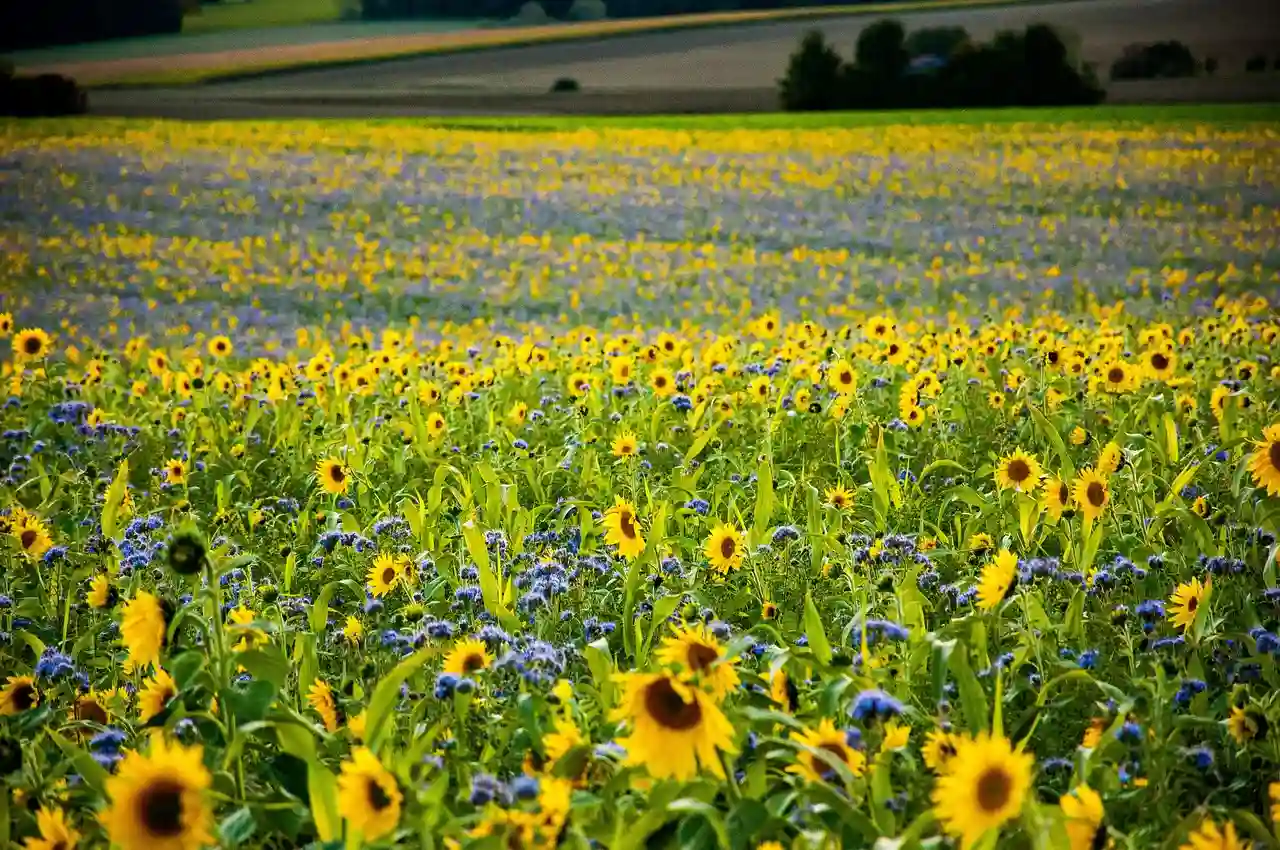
(26, 25)
(1158, 59)
(378, 485)
(937, 68)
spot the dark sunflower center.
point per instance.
(1115, 375)
(1273, 454)
(627, 525)
(378, 799)
(947, 751)
(1053, 357)
(337, 474)
(1192, 604)
(160, 809)
(1019, 471)
(846, 377)
(1096, 494)
(28, 538)
(994, 789)
(388, 575)
(1159, 361)
(701, 657)
(24, 696)
(835, 750)
(660, 382)
(32, 345)
(472, 663)
(665, 705)
(88, 709)
(838, 500)
(728, 547)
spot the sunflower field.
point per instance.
(382, 484)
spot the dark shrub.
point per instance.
(936, 41)
(565, 84)
(1256, 63)
(882, 49)
(812, 81)
(43, 96)
(1149, 61)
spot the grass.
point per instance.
(261, 14)
(261, 63)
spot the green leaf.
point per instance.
(709, 813)
(320, 608)
(268, 665)
(114, 499)
(1073, 623)
(249, 702)
(600, 663)
(237, 827)
(1050, 433)
(973, 701)
(814, 630)
(764, 500)
(701, 443)
(186, 667)
(387, 694)
(323, 788)
(942, 650)
(91, 773)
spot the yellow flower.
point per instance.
(673, 728)
(625, 445)
(369, 797)
(383, 574)
(984, 788)
(1083, 811)
(1246, 724)
(158, 800)
(249, 638)
(467, 657)
(18, 695)
(142, 627)
(662, 382)
(622, 529)
(839, 497)
(1091, 494)
(833, 742)
(1186, 601)
(1210, 837)
(353, 629)
(56, 832)
(842, 378)
(220, 347)
(333, 476)
(724, 548)
(31, 344)
(939, 749)
(320, 698)
(998, 578)
(896, 736)
(1057, 498)
(1111, 459)
(32, 536)
(155, 695)
(1264, 463)
(697, 651)
(1019, 471)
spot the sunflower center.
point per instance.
(1096, 494)
(701, 657)
(472, 663)
(994, 789)
(388, 575)
(846, 377)
(660, 382)
(32, 345)
(24, 696)
(1273, 454)
(1159, 361)
(28, 538)
(1192, 604)
(1019, 471)
(727, 548)
(627, 525)
(835, 750)
(1115, 375)
(160, 809)
(1064, 493)
(665, 705)
(337, 474)
(378, 799)
(88, 709)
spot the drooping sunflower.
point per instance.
(1057, 498)
(1083, 811)
(696, 650)
(1210, 837)
(19, 694)
(768, 610)
(839, 498)
(31, 344)
(32, 536)
(998, 579)
(467, 657)
(938, 750)
(673, 727)
(101, 593)
(1186, 601)
(1019, 471)
(625, 445)
(333, 476)
(383, 574)
(56, 832)
(320, 698)
(724, 548)
(985, 788)
(369, 797)
(1246, 724)
(831, 741)
(142, 627)
(155, 695)
(1091, 493)
(622, 529)
(158, 800)
(1264, 462)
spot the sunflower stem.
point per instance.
(735, 792)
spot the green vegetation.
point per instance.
(260, 14)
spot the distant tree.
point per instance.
(1158, 59)
(812, 80)
(588, 10)
(881, 50)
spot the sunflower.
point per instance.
(155, 695)
(369, 797)
(142, 627)
(842, 378)
(467, 657)
(1093, 735)
(939, 749)
(998, 579)
(625, 445)
(320, 698)
(1264, 463)
(1019, 471)
(783, 691)
(19, 694)
(1246, 724)
(353, 629)
(1091, 494)
(333, 476)
(673, 727)
(1079, 436)
(220, 347)
(662, 382)
(6, 324)
(240, 618)
(32, 536)
(768, 610)
(1083, 811)
(1117, 376)
(1209, 837)
(158, 800)
(622, 529)
(30, 344)
(984, 788)
(1057, 498)
(696, 650)
(383, 575)
(724, 548)
(56, 832)
(1111, 460)
(1186, 601)
(1160, 363)
(980, 544)
(896, 736)
(839, 498)
(831, 741)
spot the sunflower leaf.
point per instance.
(387, 693)
(114, 499)
(91, 773)
(973, 702)
(814, 630)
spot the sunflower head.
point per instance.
(369, 797)
(18, 695)
(333, 476)
(158, 800)
(467, 658)
(834, 746)
(984, 788)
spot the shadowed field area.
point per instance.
(730, 68)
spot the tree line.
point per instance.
(25, 24)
